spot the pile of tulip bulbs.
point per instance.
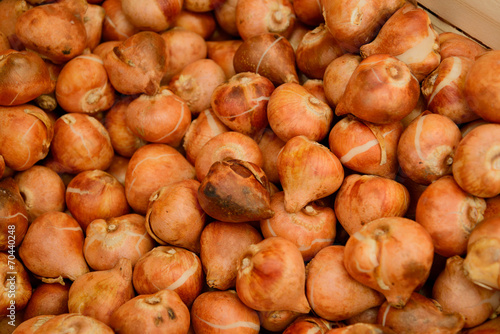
(246, 166)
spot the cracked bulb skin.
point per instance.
(392, 255)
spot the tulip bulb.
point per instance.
(381, 90)
(392, 255)
(271, 276)
(308, 171)
(409, 36)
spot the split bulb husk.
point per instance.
(308, 171)
(381, 90)
(409, 36)
(224, 146)
(269, 55)
(100, 293)
(271, 276)
(392, 255)
(235, 191)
